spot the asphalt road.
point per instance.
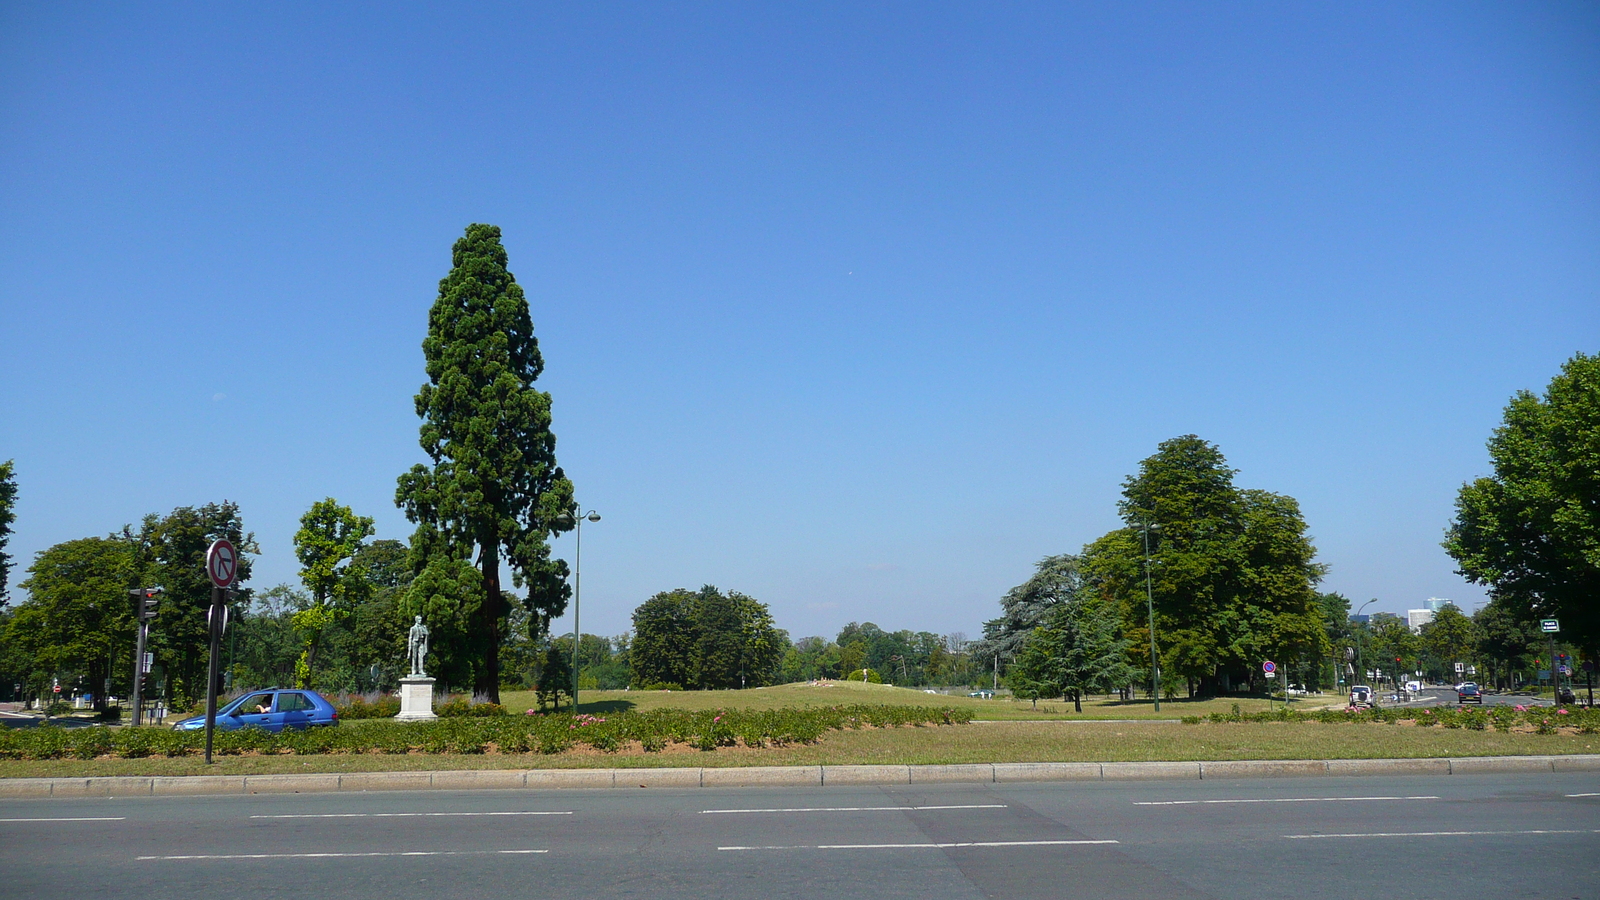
(1458, 837)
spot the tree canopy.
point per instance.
(494, 490)
(327, 544)
(1078, 649)
(1531, 531)
(704, 639)
(1233, 573)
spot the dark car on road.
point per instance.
(1468, 693)
(274, 709)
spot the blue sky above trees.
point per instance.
(859, 311)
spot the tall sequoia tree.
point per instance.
(494, 495)
(1531, 532)
(8, 499)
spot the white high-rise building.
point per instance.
(1416, 618)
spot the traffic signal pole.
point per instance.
(138, 665)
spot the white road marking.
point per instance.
(1590, 794)
(798, 809)
(406, 814)
(342, 855)
(72, 819)
(1388, 834)
(920, 846)
(1272, 800)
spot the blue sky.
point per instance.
(860, 309)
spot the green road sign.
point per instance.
(1550, 625)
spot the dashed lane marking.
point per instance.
(405, 815)
(72, 819)
(198, 856)
(1400, 834)
(945, 846)
(801, 809)
(1272, 800)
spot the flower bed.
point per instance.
(651, 731)
(1534, 719)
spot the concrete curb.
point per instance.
(777, 776)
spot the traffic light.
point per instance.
(148, 601)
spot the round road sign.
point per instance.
(222, 563)
(1269, 667)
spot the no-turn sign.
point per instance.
(222, 563)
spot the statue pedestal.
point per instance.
(416, 699)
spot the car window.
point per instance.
(253, 704)
(290, 701)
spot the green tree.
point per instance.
(329, 538)
(706, 639)
(1232, 571)
(1055, 580)
(1449, 639)
(1531, 531)
(172, 551)
(1078, 649)
(1505, 636)
(78, 618)
(664, 640)
(8, 515)
(494, 489)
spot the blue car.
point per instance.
(271, 710)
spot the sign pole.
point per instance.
(222, 567)
(214, 623)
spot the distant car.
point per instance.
(1361, 695)
(1413, 687)
(274, 710)
(987, 695)
(1468, 693)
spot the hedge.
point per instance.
(1542, 719)
(482, 733)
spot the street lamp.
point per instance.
(1361, 662)
(577, 593)
(1150, 604)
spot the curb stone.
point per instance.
(777, 776)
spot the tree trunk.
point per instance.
(1077, 701)
(486, 677)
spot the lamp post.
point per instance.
(577, 594)
(1361, 663)
(1150, 604)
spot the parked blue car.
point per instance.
(271, 710)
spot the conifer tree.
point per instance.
(494, 495)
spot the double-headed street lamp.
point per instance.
(1150, 603)
(577, 592)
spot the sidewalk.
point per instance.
(777, 776)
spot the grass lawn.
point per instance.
(841, 692)
(996, 742)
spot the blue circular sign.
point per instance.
(1269, 667)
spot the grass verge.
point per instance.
(845, 692)
(998, 742)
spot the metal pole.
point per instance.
(214, 624)
(1553, 688)
(1150, 603)
(138, 668)
(577, 595)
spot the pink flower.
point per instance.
(1561, 712)
(1520, 708)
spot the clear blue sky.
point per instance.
(860, 309)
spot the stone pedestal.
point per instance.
(416, 699)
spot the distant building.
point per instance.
(1361, 619)
(1416, 618)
